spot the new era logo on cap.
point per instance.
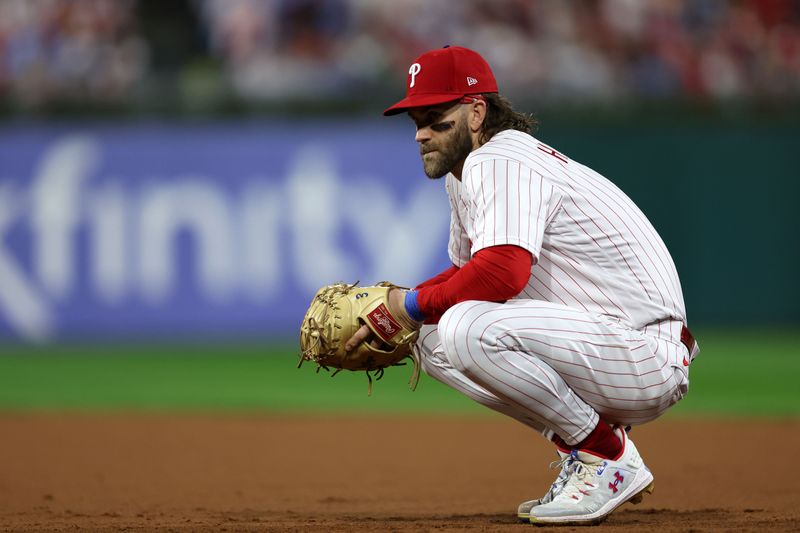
(445, 75)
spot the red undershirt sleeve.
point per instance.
(441, 277)
(494, 274)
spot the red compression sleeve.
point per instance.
(494, 274)
(441, 277)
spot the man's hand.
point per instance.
(397, 307)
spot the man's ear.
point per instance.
(476, 116)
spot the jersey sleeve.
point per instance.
(510, 203)
(458, 247)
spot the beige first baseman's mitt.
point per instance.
(337, 312)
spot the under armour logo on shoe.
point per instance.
(618, 478)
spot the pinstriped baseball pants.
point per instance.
(552, 367)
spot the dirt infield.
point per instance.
(255, 473)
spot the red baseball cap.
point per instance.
(445, 75)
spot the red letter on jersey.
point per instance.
(546, 149)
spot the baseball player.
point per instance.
(562, 307)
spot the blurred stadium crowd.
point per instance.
(122, 51)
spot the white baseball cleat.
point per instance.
(596, 487)
(565, 464)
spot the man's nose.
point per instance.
(423, 135)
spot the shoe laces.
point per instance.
(566, 465)
(581, 477)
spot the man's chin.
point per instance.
(435, 173)
(433, 170)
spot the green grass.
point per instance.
(222, 377)
(737, 373)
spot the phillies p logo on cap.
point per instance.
(445, 75)
(413, 71)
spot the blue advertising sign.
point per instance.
(205, 230)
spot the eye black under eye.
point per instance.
(442, 126)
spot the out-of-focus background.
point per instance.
(177, 178)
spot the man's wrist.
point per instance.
(412, 307)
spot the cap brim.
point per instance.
(421, 100)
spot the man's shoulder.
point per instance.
(506, 145)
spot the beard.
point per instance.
(437, 161)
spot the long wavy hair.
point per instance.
(500, 115)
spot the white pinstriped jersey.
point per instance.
(594, 249)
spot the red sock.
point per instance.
(601, 442)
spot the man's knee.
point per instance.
(460, 334)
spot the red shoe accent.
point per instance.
(618, 478)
